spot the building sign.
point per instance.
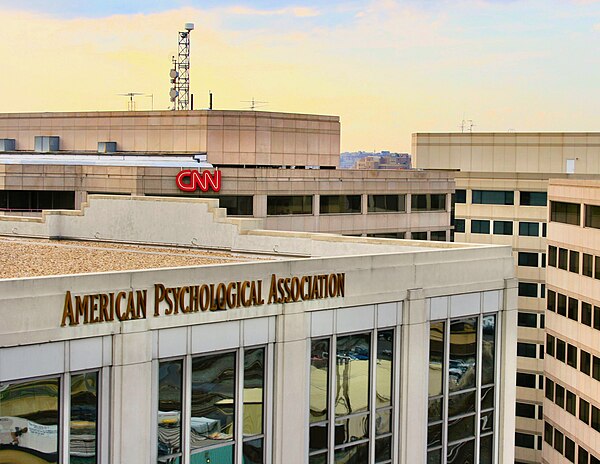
(167, 301)
(189, 181)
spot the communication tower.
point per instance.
(180, 72)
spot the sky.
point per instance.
(388, 68)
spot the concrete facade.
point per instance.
(399, 286)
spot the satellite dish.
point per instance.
(173, 93)
(173, 74)
(189, 26)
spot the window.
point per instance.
(551, 256)
(588, 265)
(493, 197)
(438, 235)
(339, 204)
(386, 203)
(561, 307)
(585, 360)
(543, 259)
(480, 227)
(527, 350)
(596, 318)
(428, 202)
(526, 380)
(596, 267)
(566, 213)
(559, 399)
(586, 313)
(533, 198)
(460, 196)
(584, 411)
(525, 410)
(560, 350)
(236, 205)
(528, 289)
(595, 419)
(583, 456)
(459, 225)
(284, 205)
(544, 229)
(503, 227)
(36, 200)
(418, 235)
(596, 368)
(573, 308)
(571, 403)
(558, 441)
(563, 257)
(592, 216)
(528, 259)
(529, 229)
(550, 344)
(569, 449)
(524, 440)
(574, 261)
(527, 319)
(551, 300)
(548, 433)
(549, 389)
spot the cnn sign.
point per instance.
(190, 181)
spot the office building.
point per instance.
(142, 329)
(501, 198)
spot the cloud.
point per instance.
(298, 11)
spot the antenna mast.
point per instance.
(180, 73)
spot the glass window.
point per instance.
(563, 257)
(480, 227)
(569, 449)
(339, 204)
(585, 362)
(560, 350)
(596, 368)
(169, 409)
(533, 198)
(550, 345)
(595, 419)
(460, 196)
(503, 227)
(596, 318)
(548, 433)
(438, 235)
(596, 267)
(428, 202)
(528, 259)
(527, 319)
(561, 306)
(493, 197)
(573, 309)
(551, 301)
(549, 389)
(384, 367)
(529, 229)
(584, 411)
(588, 265)
(559, 397)
(528, 289)
(526, 380)
(386, 203)
(236, 205)
(527, 350)
(418, 235)
(525, 410)
(352, 374)
(566, 213)
(459, 225)
(488, 349)
(254, 379)
(571, 404)
(84, 418)
(551, 256)
(281, 205)
(574, 261)
(319, 398)
(558, 441)
(436, 358)
(592, 216)
(524, 440)
(463, 352)
(586, 313)
(30, 413)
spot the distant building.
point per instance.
(381, 160)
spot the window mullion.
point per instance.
(479, 368)
(445, 389)
(64, 414)
(268, 402)
(372, 394)
(186, 416)
(331, 401)
(238, 418)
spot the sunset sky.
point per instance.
(387, 68)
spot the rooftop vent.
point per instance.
(46, 143)
(107, 147)
(7, 145)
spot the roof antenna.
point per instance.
(131, 102)
(255, 104)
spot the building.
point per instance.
(572, 363)
(214, 340)
(501, 198)
(279, 167)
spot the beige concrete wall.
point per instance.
(228, 137)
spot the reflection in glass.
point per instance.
(254, 368)
(488, 349)
(29, 421)
(351, 429)
(352, 374)
(319, 379)
(84, 418)
(460, 428)
(434, 457)
(318, 459)
(434, 435)
(383, 449)
(487, 421)
(358, 454)
(318, 437)
(435, 410)
(253, 451)
(463, 352)
(383, 422)
(221, 455)
(487, 398)
(169, 409)
(462, 453)
(436, 358)
(486, 449)
(463, 403)
(385, 361)
(213, 400)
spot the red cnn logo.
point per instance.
(188, 180)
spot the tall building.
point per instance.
(280, 167)
(144, 329)
(501, 197)
(572, 363)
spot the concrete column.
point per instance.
(259, 206)
(413, 379)
(364, 203)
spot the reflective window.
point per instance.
(551, 256)
(386, 203)
(493, 197)
(428, 202)
(339, 204)
(503, 227)
(84, 418)
(319, 398)
(459, 225)
(567, 213)
(480, 226)
(170, 381)
(528, 259)
(281, 205)
(533, 198)
(531, 229)
(574, 261)
(460, 196)
(29, 424)
(592, 216)
(588, 265)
